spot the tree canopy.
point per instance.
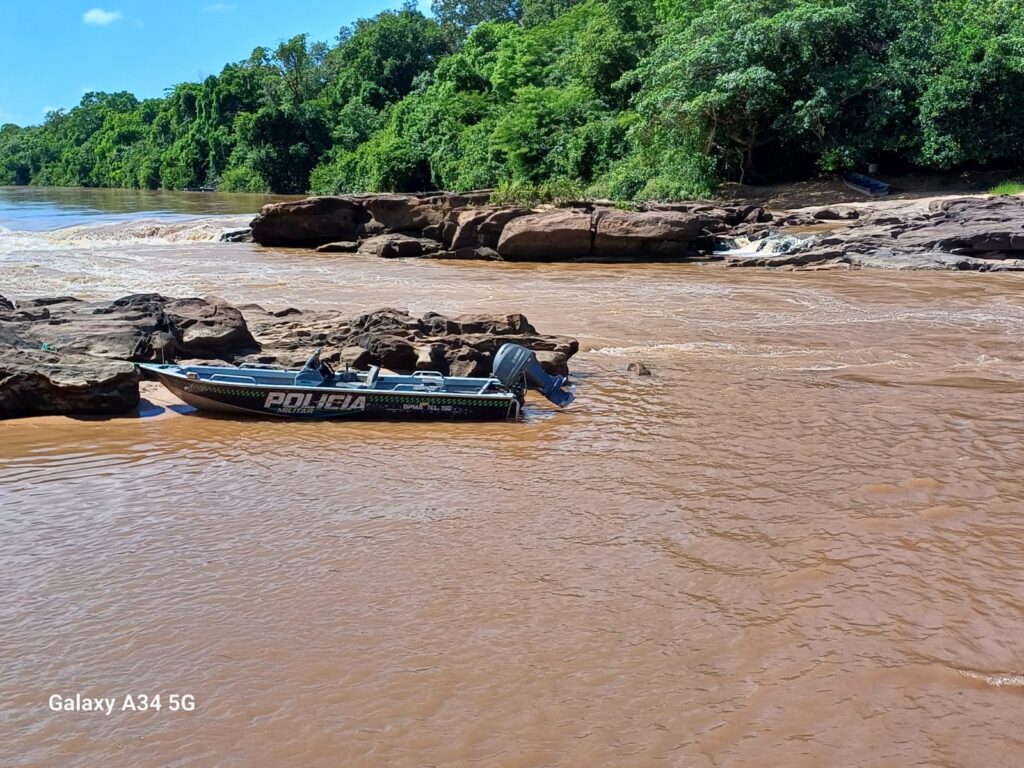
(617, 98)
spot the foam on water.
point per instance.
(135, 232)
(996, 680)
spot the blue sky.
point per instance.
(53, 51)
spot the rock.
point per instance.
(638, 369)
(49, 301)
(553, 362)
(207, 327)
(961, 234)
(462, 345)
(352, 357)
(794, 258)
(414, 213)
(492, 325)
(310, 222)
(479, 227)
(342, 246)
(431, 357)
(139, 327)
(398, 246)
(36, 383)
(647, 235)
(480, 253)
(163, 346)
(319, 220)
(556, 235)
(608, 234)
(8, 338)
(6, 303)
(755, 214)
(831, 214)
(401, 213)
(242, 235)
(466, 361)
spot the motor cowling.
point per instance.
(513, 362)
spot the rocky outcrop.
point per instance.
(458, 346)
(970, 233)
(39, 383)
(651, 235)
(309, 222)
(979, 234)
(465, 227)
(62, 355)
(319, 220)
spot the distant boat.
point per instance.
(203, 188)
(317, 392)
(866, 185)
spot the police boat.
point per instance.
(316, 391)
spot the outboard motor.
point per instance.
(513, 361)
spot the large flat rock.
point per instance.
(39, 383)
(310, 222)
(557, 235)
(976, 234)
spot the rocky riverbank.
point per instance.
(961, 233)
(60, 355)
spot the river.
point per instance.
(798, 542)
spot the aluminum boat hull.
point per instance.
(337, 402)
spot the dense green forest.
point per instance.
(612, 98)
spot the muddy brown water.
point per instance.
(799, 542)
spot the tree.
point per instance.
(462, 15)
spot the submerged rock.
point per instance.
(398, 246)
(342, 246)
(242, 235)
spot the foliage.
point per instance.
(1008, 188)
(526, 194)
(549, 99)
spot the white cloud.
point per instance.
(219, 8)
(47, 110)
(99, 17)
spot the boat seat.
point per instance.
(372, 376)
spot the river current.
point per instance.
(799, 542)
